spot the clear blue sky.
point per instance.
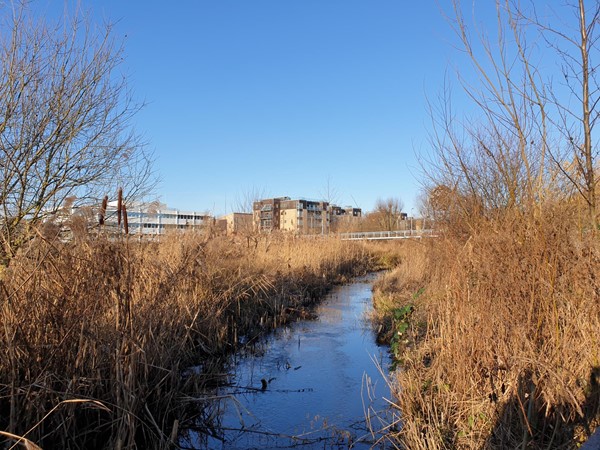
(282, 96)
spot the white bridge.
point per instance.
(382, 235)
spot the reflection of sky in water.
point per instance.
(318, 371)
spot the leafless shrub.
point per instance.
(65, 129)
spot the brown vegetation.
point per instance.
(116, 323)
(499, 346)
(501, 349)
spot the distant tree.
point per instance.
(65, 115)
(329, 193)
(245, 201)
(387, 213)
(245, 204)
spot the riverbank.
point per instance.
(496, 333)
(96, 333)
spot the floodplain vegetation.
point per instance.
(495, 333)
(97, 333)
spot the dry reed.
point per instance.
(502, 350)
(119, 321)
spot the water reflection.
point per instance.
(316, 384)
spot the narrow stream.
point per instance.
(315, 384)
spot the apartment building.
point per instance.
(343, 218)
(266, 213)
(299, 216)
(304, 216)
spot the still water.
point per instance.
(315, 384)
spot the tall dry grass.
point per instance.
(503, 345)
(96, 333)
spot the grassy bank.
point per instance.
(96, 333)
(496, 331)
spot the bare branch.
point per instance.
(65, 117)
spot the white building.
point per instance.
(156, 218)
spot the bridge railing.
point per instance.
(376, 235)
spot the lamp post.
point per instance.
(411, 220)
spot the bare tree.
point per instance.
(329, 193)
(244, 202)
(387, 213)
(65, 115)
(527, 125)
(496, 160)
(247, 228)
(575, 43)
